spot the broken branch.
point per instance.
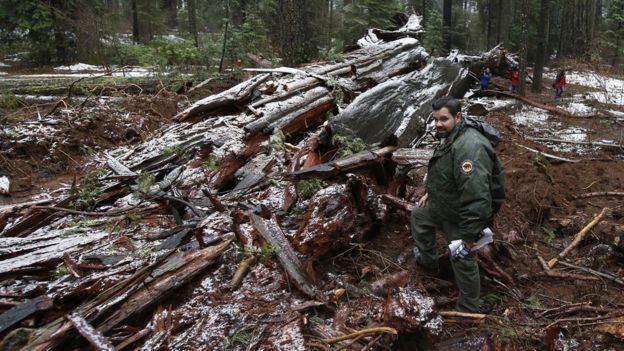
(578, 238)
(362, 332)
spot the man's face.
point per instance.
(445, 122)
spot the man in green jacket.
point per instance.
(465, 188)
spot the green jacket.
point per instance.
(465, 182)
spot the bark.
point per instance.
(542, 44)
(24, 310)
(274, 236)
(135, 23)
(127, 298)
(192, 19)
(447, 10)
(225, 34)
(524, 46)
(361, 160)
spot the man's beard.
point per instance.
(441, 134)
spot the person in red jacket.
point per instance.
(560, 82)
(515, 78)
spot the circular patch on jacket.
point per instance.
(467, 166)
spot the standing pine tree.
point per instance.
(364, 14)
(434, 41)
(615, 29)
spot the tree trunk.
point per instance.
(488, 18)
(225, 33)
(135, 22)
(542, 44)
(524, 45)
(446, 23)
(499, 22)
(192, 14)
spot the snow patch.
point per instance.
(5, 184)
(80, 67)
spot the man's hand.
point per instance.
(423, 200)
(459, 249)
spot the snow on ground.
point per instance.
(578, 108)
(609, 90)
(80, 67)
(531, 117)
(3, 73)
(2, 64)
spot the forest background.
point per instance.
(212, 35)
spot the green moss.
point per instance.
(212, 163)
(60, 272)
(263, 254)
(8, 100)
(176, 149)
(243, 336)
(307, 188)
(348, 145)
(89, 190)
(276, 142)
(145, 182)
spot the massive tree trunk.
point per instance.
(294, 31)
(542, 44)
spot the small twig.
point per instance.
(553, 274)
(320, 346)
(599, 193)
(589, 270)
(95, 338)
(140, 334)
(578, 238)
(86, 213)
(463, 314)
(371, 343)
(361, 332)
(562, 320)
(241, 271)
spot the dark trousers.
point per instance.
(466, 270)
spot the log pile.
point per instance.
(248, 166)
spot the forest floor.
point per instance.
(548, 202)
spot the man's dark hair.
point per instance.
(451, 103)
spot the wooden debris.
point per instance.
(588, 143)
(548, 156)
(97, 340)
(118, 167)
(241, 271)
(398, 203)
(146, 287)
(578, 238)
(48, 254)
(462, 314)
(599, 193)
(273, 235)
(363, 332)
(594, 272)
(553, 109)
(412, 157)
(23, 310)
(554, 274)
(236, 95)
(350, 163)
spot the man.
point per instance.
(465, 188)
